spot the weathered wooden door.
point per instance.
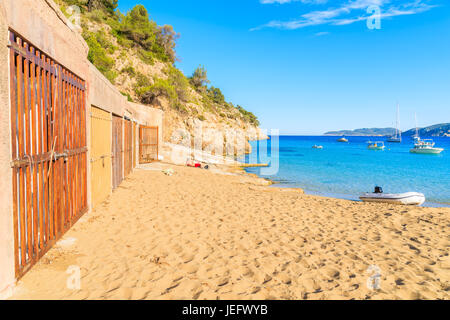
(117, 151)
(134, 144)
(128, 147)
(49, 163)
(100, 155)
(148, 144)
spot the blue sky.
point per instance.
(309, 66)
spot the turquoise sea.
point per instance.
(345, 170)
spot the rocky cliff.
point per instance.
(138, 57)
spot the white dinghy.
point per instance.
(407, 198)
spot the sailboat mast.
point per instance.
(399, 133)
(417, 129)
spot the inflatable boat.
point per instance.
(408, 198)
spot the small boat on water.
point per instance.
(407, 198)
(343, 139)
(378, 145)
(425, 146)
(317, 147)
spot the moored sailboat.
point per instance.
(424, 146)
(397, 137)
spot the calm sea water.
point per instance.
(345, 170)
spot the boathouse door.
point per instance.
(128, 147)
(100, 155)
(117, 151)
(49, 154)
(148, 144)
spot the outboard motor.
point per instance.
(378, 190)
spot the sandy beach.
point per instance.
(207, 234)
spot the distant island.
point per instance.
(437, 130)
(363, 132)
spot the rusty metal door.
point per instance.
(148, 144)
(117, 151)
(48, 131)
(128, 147)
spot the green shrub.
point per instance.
(111, 75)
(98, 57)
(127, 95)
(96, 15)
(107, 6)
(181, 108)
(248, 116)
(129, 70)
(216, 95)
(199, 78)
(142, 82)
(146, 56)
(207, 103)
(179, 81)
(103, 40)
(161, 87)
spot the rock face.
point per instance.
(215, 128)
(214, 134)
(211, 135)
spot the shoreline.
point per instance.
(337, 195)
(340, 196)
(349, 197)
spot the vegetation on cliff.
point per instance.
(139, 56)
(437, 130)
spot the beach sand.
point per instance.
(201, 234)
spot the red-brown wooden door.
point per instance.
(128, 147)
(48, 140)
(148, 144)
(117, 151)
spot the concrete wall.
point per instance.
(103, 94)
(42, 24)
(6, 221)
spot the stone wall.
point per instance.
(103, 94)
